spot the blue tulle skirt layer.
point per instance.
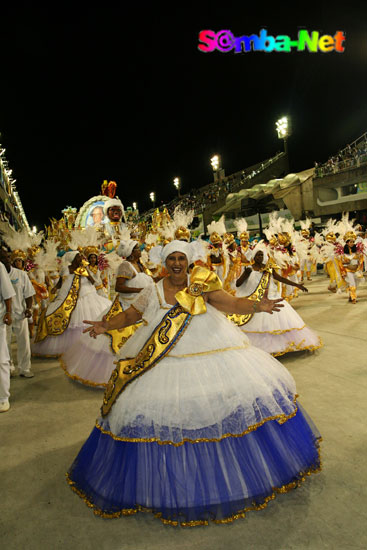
(193, 483)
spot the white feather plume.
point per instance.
(47, 257)
(182, 218)
(15, 240)
(241, 225)
(217, 227)
(80, 238)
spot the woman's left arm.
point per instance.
(242, 306)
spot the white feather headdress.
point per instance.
(182, 218)
(241, 225)
(305, 225)
(15, 240)
(81, 238)
(47, 257)
(217, 227)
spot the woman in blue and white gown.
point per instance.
(212, 430)
(284, 331)
(91, 362)
(61, 324)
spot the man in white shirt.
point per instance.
(22, 311)
(6, 294)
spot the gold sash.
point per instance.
(163, 339)
(58, 321)
(165, 335)
(256, 296)
(118, 337)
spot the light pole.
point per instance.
(216, 163)
(135, 205)
(283, 128)
(177, 184)
(152, 198)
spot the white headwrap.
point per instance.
(259, 247)
(112, 202)
(125, 248)
(193, 251)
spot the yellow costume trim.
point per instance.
(99, 287)
(124, 277)
(280, 418)
(301, 478)
(81, 271)
(298, 347)
(256, 296)
(82, 380)
(201, 280)
(57, 322)
(40, 289)
(119, 337)
(272, 331)
(164, 337)
(209, 352)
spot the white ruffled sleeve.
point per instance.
(147, 303)
(125, 270)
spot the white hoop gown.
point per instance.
(212, 431)
(91, 361)
(89, 305)
(283, 331)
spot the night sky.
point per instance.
(124, 94)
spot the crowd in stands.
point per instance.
(202, 198)
(352, 156)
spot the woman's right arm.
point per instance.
(121, 320)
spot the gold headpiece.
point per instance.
(17, 255)
(88, 250)
(215, 238)
(330, 237)
(284, 238)
(33, 251)
(305, 232)
(244, 236)
(182, 234)
(228, 238)
(350, 236)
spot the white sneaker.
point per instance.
(27, 374)
(4, 406)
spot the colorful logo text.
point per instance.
(225, 41)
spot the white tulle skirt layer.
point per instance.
(282, 332)
(54, 346)
(90, 361)
(89, 307)
(205, 396)
(293, 340)
(285, 319)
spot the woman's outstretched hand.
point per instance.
(269, 306)
(98, 327)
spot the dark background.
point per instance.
(113, 93)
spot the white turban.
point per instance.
(125, 248)
(177, 246)
(259, 247)
(112, 202)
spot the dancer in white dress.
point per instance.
(199, 424)
(91, 362)
(61, 324)
(283, 332)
